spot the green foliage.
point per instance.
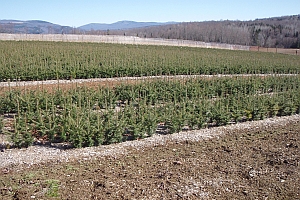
(32, 60)
(149, 124)
(88, 117)
(53, 187)
(22, 137)
(1, 124)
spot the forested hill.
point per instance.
(269, 32)
(281, 32)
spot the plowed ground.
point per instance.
(241, 165)
(66, 86)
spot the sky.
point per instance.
(76, 13)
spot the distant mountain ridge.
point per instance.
(32, 27)
(44, 27)
(121, 25)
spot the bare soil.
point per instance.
(67, 86)
(252, 164)
(53, 85)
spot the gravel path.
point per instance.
(20, 158)
(52, 82)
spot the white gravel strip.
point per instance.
(19, 158)
(51, 82)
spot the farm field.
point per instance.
(21, 60)
(143, 91)
(258, 161)
(140, 88)
(85, 116)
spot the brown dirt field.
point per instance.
(50, 87)
(275, 50)
(260, 164)
(67, 86)
(93, 83)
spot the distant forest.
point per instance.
(281, 32)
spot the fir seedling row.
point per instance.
(88, 117)
(32, 60)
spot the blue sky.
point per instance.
(79, 12)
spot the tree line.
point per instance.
(281, 32)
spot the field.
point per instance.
(252, 163)
(60, 60)
(238, 87)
